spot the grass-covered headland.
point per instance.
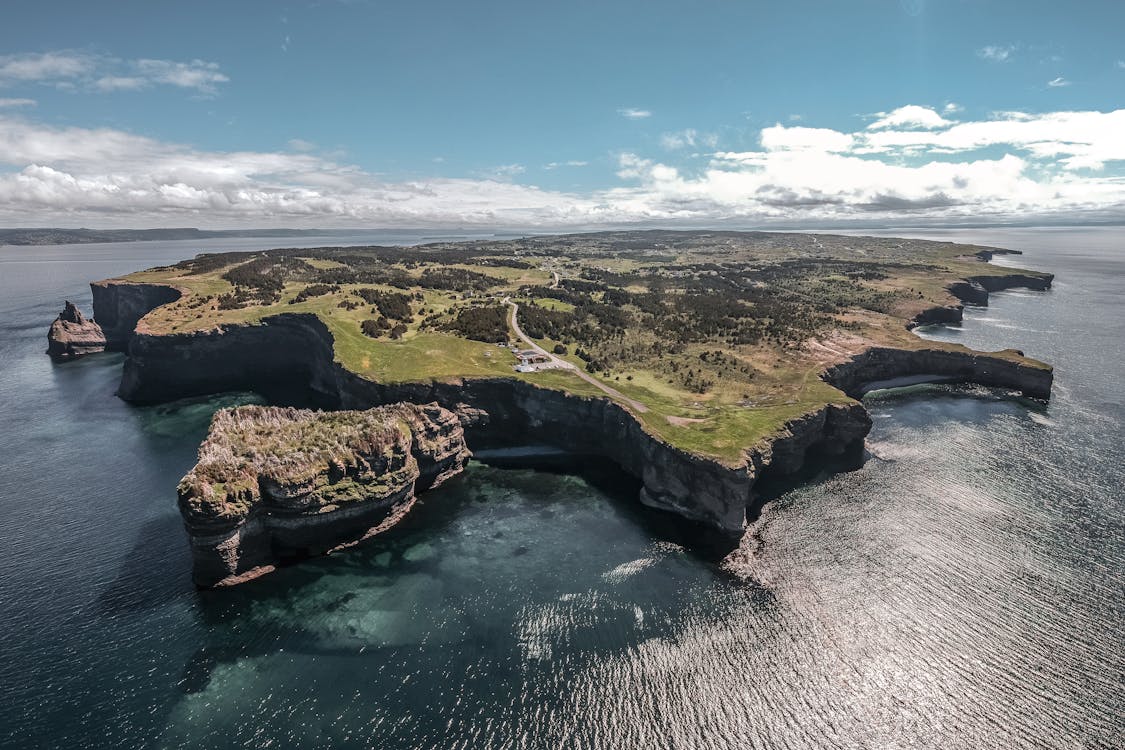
(721, 335)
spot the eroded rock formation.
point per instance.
(295, 350)
(881, 366)
(73, 335)
(275, 484)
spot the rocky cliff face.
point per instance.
(974, 291)
(288, 352)
(276, 484)
(878, 365)
(295, 351)
(73, 335)
(119, 306)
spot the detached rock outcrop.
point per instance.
(73, 335)
(276, 484)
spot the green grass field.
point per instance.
(734, 402)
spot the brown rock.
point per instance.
(73, 335)
(278, 484)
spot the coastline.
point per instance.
(292, 353)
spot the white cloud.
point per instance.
(952, 108)
(688, 138)
(1121, 64)
(910, 116)
(1014, 165)
(17, 103)
(571, 163)
(503, 172)
(1071, 140)
(109, 176)
(200, 75)
(997, 52)
(782, 138)
(1058, 82)
(69, 69)
(300, 144)
(119, 83)
(634, 114)
(44, 66)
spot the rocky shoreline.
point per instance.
(276, 484)
(293, 353)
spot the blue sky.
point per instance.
(335, 113)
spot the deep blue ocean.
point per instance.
(964, 589)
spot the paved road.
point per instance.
(562, 364)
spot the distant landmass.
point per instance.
(53, 236)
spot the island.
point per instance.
(280, 484)
(707, 364)
(73, 335)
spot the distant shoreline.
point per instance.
(51, 236)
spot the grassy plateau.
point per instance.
(722, 336)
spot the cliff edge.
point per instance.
(737, 416)
(275, 484)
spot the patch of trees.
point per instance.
(379, 327)
(578, 285)
(260, 280)
(559, 293)
(504, 263)
(245, 297)
(447, 253)
(266, 272)
(375, 327)
(541, 323)
(487, 323)
(211, 262)
(314, 290)
(394, 305)
(371, 274)
(456, 279)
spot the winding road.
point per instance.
(562, 364)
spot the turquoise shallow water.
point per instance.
(963, 589)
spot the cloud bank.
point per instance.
(85, 71)
(910, 165)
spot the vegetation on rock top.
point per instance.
(722, 335)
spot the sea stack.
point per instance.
(73, 335)
(281, 484)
